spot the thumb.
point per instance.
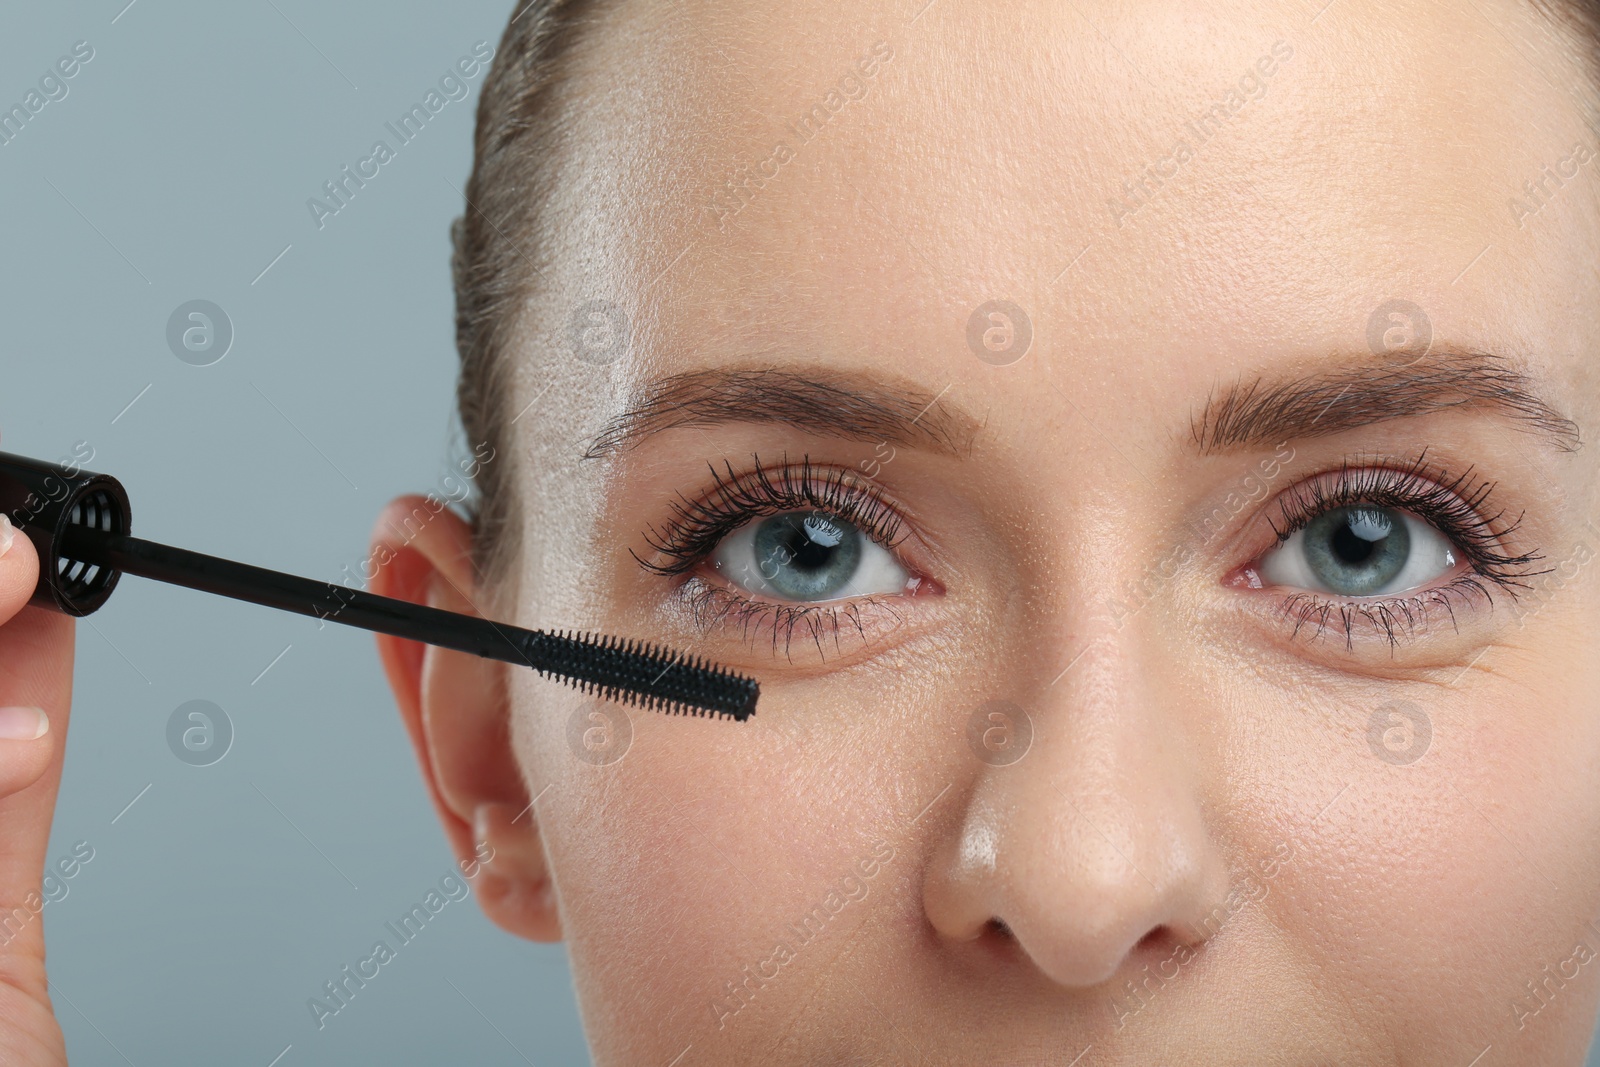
(35, 691)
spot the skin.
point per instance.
(1396, 911)
(35, 672)
(1191, 757)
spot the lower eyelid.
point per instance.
(1439, 617)
(1392, 619)
(918, 586)
(1309, 615)
(859, 621)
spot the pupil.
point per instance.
(1361, 536)
(813, 542)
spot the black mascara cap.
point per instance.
(42, 500)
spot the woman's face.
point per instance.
(1074, 307)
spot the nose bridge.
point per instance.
(1119, 773)
(1096, 838)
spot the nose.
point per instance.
(1092, 849)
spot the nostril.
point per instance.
(999, 927)
(1161, 941)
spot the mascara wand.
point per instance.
(79, 523)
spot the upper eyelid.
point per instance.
(1455, 504)
(1401, 478)
(698, 524)
(1241, 522)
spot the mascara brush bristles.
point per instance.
(633, 671)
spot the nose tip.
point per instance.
(1084, 938)
(1081, 890)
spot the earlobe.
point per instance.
(457, 714)
(509, 847)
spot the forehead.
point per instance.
(1155, 183)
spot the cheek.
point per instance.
(684, 865)
(1440, 887)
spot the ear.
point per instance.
(455, 708)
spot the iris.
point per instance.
(807, 555)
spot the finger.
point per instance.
(26, 747)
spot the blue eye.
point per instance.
(1361, 550)
(807, 556)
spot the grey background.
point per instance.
(226, 895)
(177, 168)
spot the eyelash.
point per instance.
(1453, 504)
(698, 526)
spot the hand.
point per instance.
(35, 692)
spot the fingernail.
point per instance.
(8, 533)
(23, 724)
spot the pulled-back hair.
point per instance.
(499, 238)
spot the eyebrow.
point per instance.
(847, 404)
(1262, 412)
